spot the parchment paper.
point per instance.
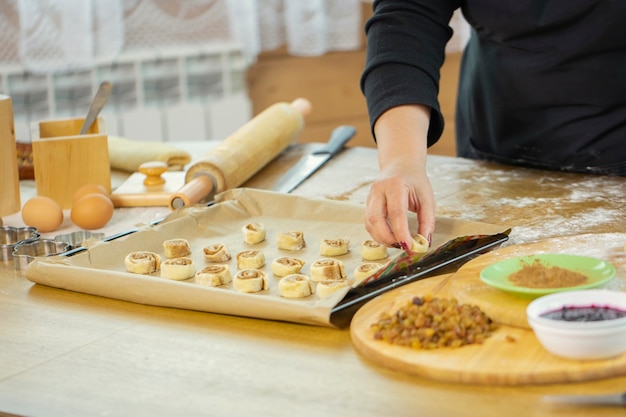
(100, 270)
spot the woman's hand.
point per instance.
(396, 192)
(403, 185)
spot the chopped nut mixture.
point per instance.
(429, 323)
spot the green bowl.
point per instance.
(597, 270)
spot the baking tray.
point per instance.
(100, 269)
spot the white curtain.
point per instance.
(67, 34)
(311, 27)
(59, 35)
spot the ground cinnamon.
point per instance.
(537, 275)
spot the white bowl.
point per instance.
(579, 339)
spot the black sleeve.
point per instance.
(405, 50)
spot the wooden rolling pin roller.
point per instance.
(243, 153)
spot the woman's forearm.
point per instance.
(401, 134)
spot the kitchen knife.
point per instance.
(617, 399)
(310, 163)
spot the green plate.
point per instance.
(598, 271)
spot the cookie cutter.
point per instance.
(25, 253)
(79, 238)
(11, 236)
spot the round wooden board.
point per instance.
(512, 355)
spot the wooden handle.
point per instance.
(153, 171)
(246, 151)
(199, 188)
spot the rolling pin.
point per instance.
(243, 153)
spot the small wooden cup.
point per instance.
(65, 161)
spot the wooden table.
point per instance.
(64, 353)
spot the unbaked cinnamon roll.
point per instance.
(250, 281)
(142, 262)
(419, 244)
(216, 253)
(334, 247)
(327, 269)
(325, 288)
(365, 270)
(295, 286)
(250, 259)
(373, 251)
(176, 248)
(286, 266)
(214, 275)
(291, 241)
(178, 268)
(253, 233)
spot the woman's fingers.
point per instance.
(397, 195)
(386, 212)
(426, 215)
(389, 201)
(376, 216)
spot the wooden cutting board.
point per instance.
(133, 192)
(512, 355)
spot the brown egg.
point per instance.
(43, 213)
(92, 211)
(89, 189)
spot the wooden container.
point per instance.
(65, 161)
(9, 176)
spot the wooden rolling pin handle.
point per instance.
(302, 105)
(200, 187)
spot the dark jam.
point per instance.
(590, 313)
